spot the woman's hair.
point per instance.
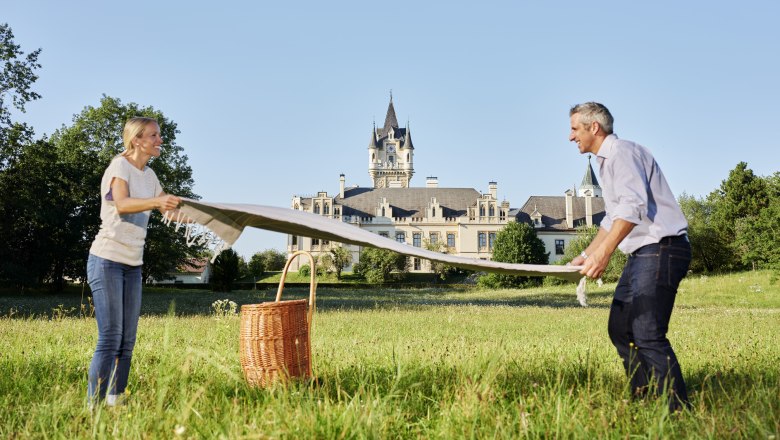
(591, 112)
(134, 128)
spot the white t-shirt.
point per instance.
(121, 237)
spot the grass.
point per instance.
(419, 363)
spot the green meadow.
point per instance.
(390, 363)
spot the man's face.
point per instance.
(581, 134)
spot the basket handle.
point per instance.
(312, 284)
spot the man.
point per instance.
(644, 221)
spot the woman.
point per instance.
(129, 191)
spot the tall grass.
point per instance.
(401, 363)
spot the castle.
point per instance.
(464, 220)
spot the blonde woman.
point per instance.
(129, 191)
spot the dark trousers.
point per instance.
(640, 313)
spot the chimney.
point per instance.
(493, 188)
(589, 208)
(342, 180)
(570, 208)
(431, 182)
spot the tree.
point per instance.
(256, 266)
(515, 243)
(709, 249)
(339, 258)
(16, 79)
(84, 150)
(30, 215)
(740, 198)
(272, 260)
(585, 235)
(438, 269)
(225, 271)
(379, 265)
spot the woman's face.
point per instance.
(149, 142)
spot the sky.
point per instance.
(275, 99)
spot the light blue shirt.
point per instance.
(636, 191)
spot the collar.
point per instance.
(605, 151)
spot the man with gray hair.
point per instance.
(644, 221)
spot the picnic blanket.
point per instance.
(224, 223)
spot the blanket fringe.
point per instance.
(582, 292)
(197, 234)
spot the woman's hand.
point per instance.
(167, 202)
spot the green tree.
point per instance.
(439, 270)
(515, 243)
(271, 259)
(256, 265)
(85, 149)
(16, 79)
(758, 237)
(30, 216)
(380, 265)
(709, 247)
(740, 199)
(339, 258)
(225, 271)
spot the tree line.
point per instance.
(50, 205)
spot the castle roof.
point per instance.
(553, 211)
(406, 202)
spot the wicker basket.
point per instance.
(275, 336)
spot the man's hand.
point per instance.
(595, 264)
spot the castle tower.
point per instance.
(391, 153)
(590, 184)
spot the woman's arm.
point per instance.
(130, 205)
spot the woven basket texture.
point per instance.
(274, 339)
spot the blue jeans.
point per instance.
(116, 293)
(640, 313)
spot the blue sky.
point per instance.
(275, 99)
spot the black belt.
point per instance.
(673, 239)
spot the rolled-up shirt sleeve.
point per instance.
(630, 188)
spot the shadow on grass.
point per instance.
(160, 302)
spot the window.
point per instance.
(383, 211)
(416, 239)
(450, 239)
(315, 241)
(433, 212)
(316, 208)
(482, 240)
(492, 211)
(325, 242)
(481, 210)
(417, 264)
(559, 246)
(491, 240)
(502, 214)
(326, 209)
(400, 237)
(337, 211)
(433, 237)
(384, 234)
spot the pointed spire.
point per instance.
(372, 142)
(590, 180)
(408, 138)
(390, 119)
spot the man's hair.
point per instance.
(591, 112)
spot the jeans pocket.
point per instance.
(677, 268)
